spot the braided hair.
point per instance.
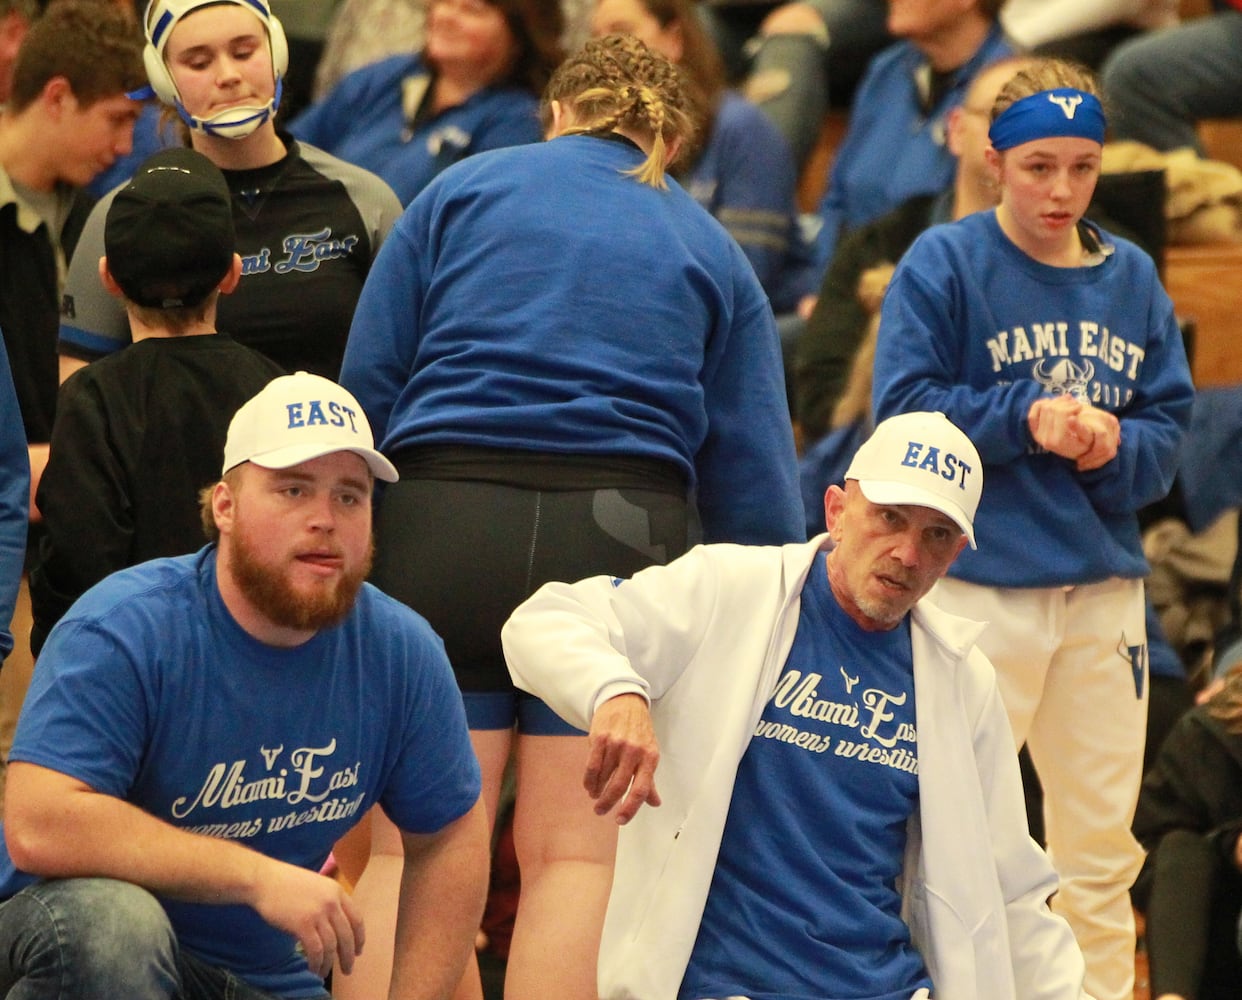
(1044, 74)
(618, 82)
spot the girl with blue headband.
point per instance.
(1052, 344)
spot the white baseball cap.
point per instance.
(295, 418)
(924, 460)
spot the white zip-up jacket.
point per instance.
(705, 639)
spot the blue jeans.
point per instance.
(1160, 84)
(100, 939)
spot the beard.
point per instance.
(885, 614)
(271, 592)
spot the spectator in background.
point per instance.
(68, 117)
(1054, 345)
(366, 31)
(1082, 30)
(474, 86)
(1160, 85)
(837, 323)
(308, 225)
(895, 145)
(153, 130)
(137, 433)
(1189, 821)
(740, 170)
(557, 419)
(797, 57)
(16, 17)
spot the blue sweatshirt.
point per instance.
(973, 327)
(537, 299)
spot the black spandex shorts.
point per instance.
(464, 554)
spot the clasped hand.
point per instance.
(1065, 426)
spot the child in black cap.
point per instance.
(139, 432)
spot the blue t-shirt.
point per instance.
(148, 690)
(803, 904)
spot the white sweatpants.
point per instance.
(1071, 664)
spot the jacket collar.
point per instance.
(28, 220)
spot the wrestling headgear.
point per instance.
(231, 123)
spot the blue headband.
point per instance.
(1061, 112)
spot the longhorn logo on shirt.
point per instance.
(1068, 104)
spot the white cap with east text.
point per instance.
(296, 418)
(922, 459)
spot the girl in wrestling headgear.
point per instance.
(182, 60)
(308, 224)
(1052, 344)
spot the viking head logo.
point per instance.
(1064, 376)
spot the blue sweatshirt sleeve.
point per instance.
(747, 466)
(1154, 425)
(383, 339)
(918, 349)
(14, 500)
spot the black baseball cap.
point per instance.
(169, 234)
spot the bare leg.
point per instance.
(376, 894)
(378, 888)
(492, 747)
(566, 856)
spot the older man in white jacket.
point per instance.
(841, 814)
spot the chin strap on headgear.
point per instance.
(230, 123)
(236, 122)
